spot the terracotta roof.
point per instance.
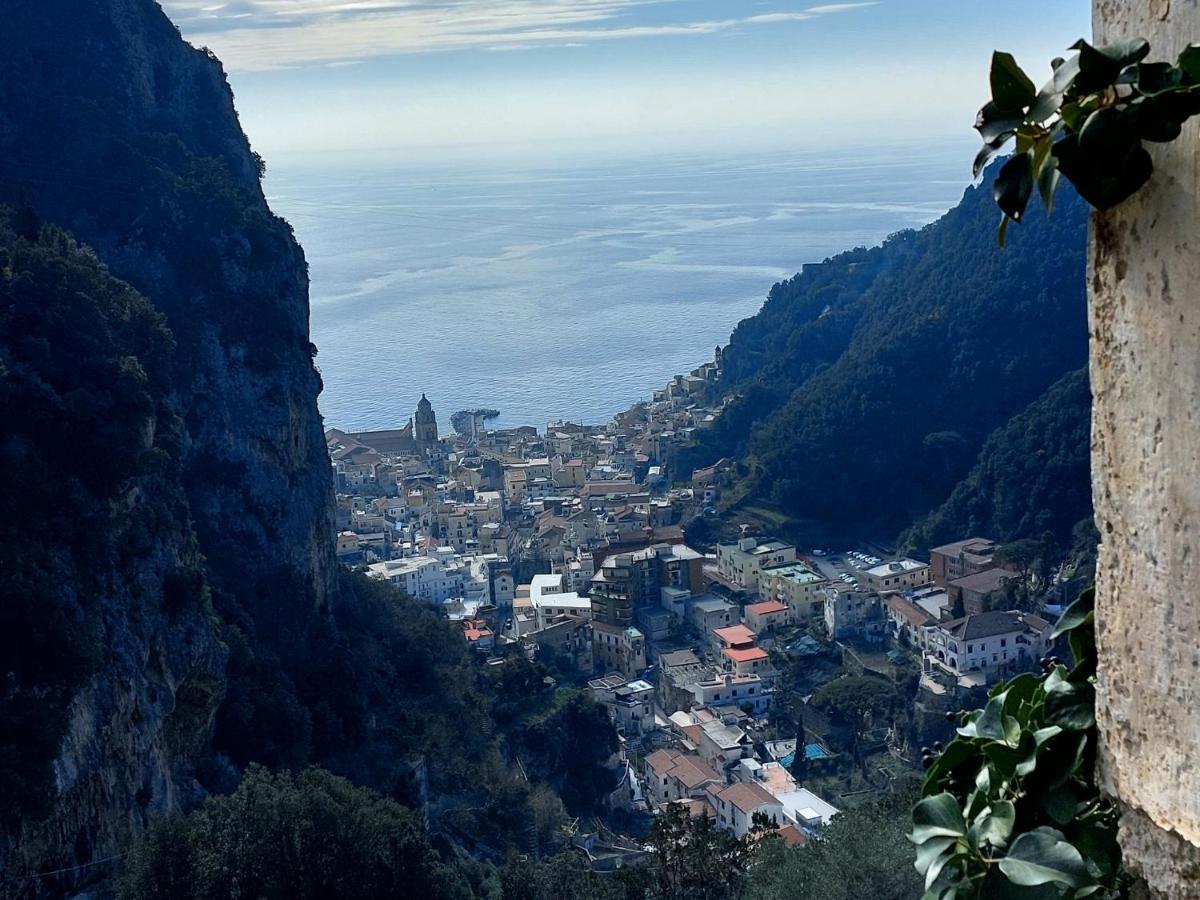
(661, 761)
(908, 611)
(697, 807)
(792, 836)
(693, 771)
(766, 608)
(733, 635)
(748, 655)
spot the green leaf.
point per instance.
(1050, 97)
(1011, 87)
(1047, 182)
(959, 754)
(997, 128)
(933, 856)
(1083, 650)
(1071, 706)
(1100, 66)
(1009, 759)
(996, 823)
(1079, 613)
(1189, 62)
(1102, 182)
(1044, 734)
(1061, 804)
(1156, 78)
(1105, 135)
(1153, 121)
(1013, 185)
(937, 816)
(1042, 856)
(1018, 690)
(987, 152)
(1179, 106)
(1096, 840)
(991, 122)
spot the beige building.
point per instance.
(897, 575)
(797, 585)
(769, 614)
(743, 563)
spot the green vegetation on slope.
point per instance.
(305, 837)
(96, 539)
(315, 835)
(90, 503)
(868, 384)
(1032, 477)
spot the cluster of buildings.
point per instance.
(568, 542)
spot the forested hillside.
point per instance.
(868, 384)
(171, 609)
(1032, 476)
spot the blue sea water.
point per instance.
(575, 289)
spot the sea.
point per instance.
(570, 289)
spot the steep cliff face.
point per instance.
(112, 667)
(115, 129)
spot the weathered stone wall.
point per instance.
(1145, 373)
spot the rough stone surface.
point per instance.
(1145, 374)
(116, 129)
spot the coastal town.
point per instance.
(750, 680)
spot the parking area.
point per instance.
(846, 567)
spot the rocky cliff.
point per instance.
(116, 130)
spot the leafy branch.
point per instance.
(1086, 124)
(1011, 807)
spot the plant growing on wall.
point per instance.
(1011, 807)
(1088, 124)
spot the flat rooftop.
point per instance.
(795, 571)
(896, 567)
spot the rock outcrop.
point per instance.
(115, 129)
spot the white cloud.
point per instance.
(254, 35)
(838, 7)
(779, 17)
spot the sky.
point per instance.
(438, 78)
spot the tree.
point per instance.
(855, 698)
(1020, 555)
(568, 877)
(572, 747)
(312, 835)
(862, 853)
(696, 860)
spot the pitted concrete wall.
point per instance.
(1145, 370)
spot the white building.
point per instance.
(727, 689)
(738, 804)
(422, 577)
(549, 598)
(986, 647)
